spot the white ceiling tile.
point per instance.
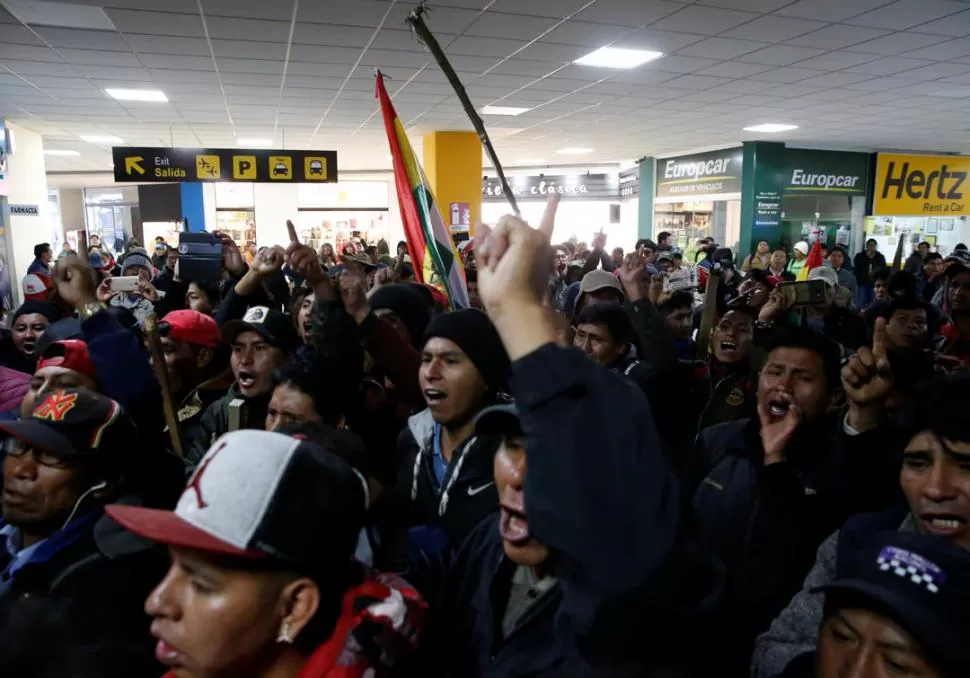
(558, 9)
(158, 23)
(943, 51)
(18, 35)
(882, 84)
(904, 14)
(934, 89)
(27, 68)
(385, 58)
(896, 43)
(733, 69)
(626, 13)
(780, 55)
(485, 47)
(744, 87)
(324, 55)
(511, 26)
(838, 36)
(747, 5)
(158, 44)
(888, 66)
(351, 36)
(27, 53)
(937, 71)
(833, 80)
(830, 10)
(551, 52)
(786, 74)
(168, 61)
(74, 38)
(955, 25)
(658, 41)
(229, 65)
(250, 9)
(720, 48)
(773, 28)
(679, 64)
(241, 49)
(837, 60)
(248, 29)
(709, 20)
(115, 73)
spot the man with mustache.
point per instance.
(67, 572)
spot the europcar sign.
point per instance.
(920, 185)
(700, 174)
(810, 172)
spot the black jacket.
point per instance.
(765, 522)
(600, 495)
(215, 422)
(864, 266)
(468, 491)
(80, 612)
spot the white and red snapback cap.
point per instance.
(257, 494)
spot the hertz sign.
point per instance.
(922, 185)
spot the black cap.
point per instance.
(498, 420)
(272, 325)
(475, 334)
(342, 442)
(922, 581)
(75, 423)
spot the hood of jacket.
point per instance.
(421, 426)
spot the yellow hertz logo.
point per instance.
(919, 185)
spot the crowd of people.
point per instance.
(613, 464)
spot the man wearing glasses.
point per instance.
(72, 581)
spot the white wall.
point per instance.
(579, 219)
(26, 185)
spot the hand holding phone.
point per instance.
(125, 283)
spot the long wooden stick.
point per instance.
(707, 315)
(416, 20)
(161, 374)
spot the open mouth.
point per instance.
(29, 347)
(779, 406)
(246, 380)
(729, 346)
(165, 653)
(307, 329)
(433, 396)
(943, 524)
(513, 526)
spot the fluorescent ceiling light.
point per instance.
(770, 128)
(102, 139)
(51, 151)
(137, 95)
(615, 57)
(254, 142)
(503, 110)
(574, 151)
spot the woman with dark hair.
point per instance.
(327, 256)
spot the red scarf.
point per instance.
(384, 611)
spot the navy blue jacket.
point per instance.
(599, 493)
(125, 375)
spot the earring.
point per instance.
(284, 635)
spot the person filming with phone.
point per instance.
(133, 290)
(813, 303)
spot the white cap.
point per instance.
(801, 246)
(826, 273)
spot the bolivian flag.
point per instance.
(814, 260)
(433, 254)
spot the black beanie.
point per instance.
(44, 308)
(405, 301)
(474, 334)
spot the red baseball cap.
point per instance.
(71, 354)
(191, 327)
(37, 287)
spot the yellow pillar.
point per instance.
(453, 165)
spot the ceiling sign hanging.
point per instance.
(160, 165)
